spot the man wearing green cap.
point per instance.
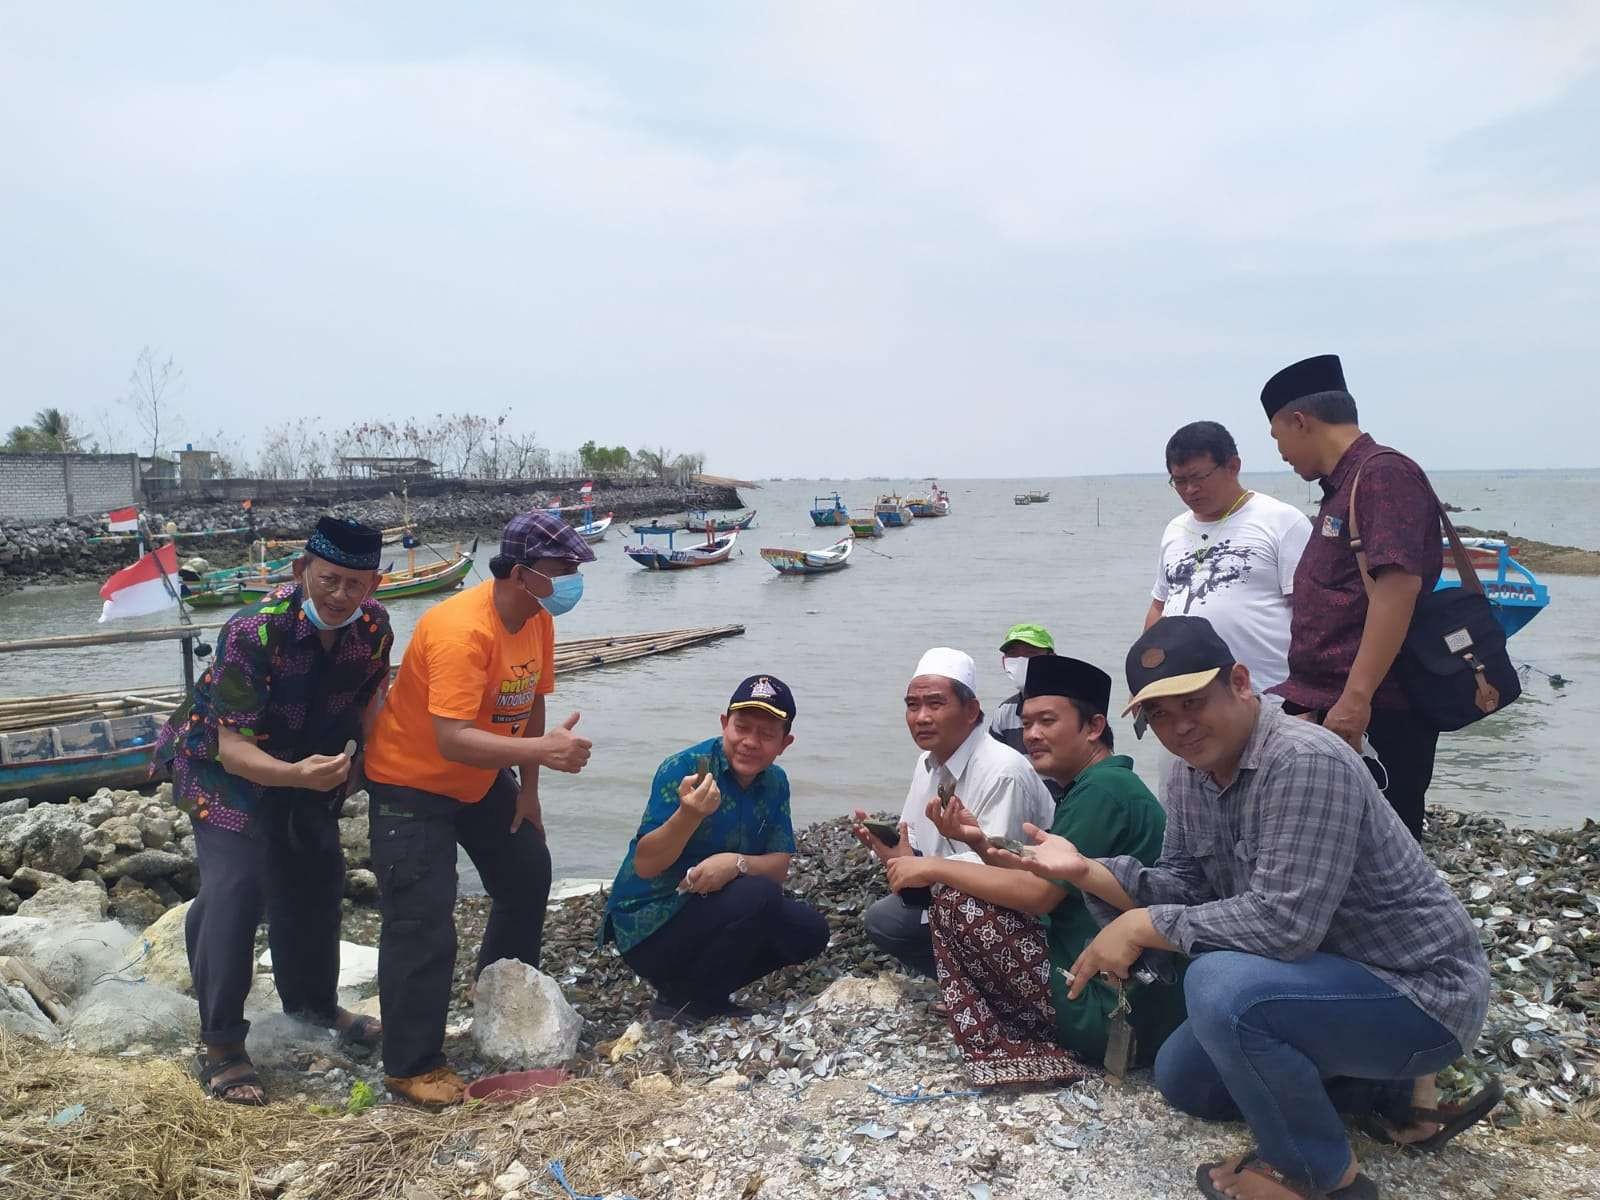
(1021, 643)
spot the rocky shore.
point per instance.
(59, 551)
(846, 1084)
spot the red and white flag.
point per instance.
(586, 490)
(123, 520)
(138, 590)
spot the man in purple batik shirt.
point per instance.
(258, 762)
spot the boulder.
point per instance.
(97, 809)
(134, 904)
(19, 1015)
(124, 832)
(29, 880)
(361, 884)
(159, 955)
(158, 830)
(98, 846)
(8, 900)
(68, 902)
(147, 865)
(14, 808)
(117, 1014)
(883, 993)
(520, 1017)
(355, 840)
(68, 957)
(48, 837)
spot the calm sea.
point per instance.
(1081, 565)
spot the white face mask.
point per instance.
(1016, 670)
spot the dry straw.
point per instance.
(147, 1132)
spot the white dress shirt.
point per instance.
(997, 785)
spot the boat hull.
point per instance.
(872, 528)
(52, 762)
(676, 559)
(808, 562)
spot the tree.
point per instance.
(50, 433)
(604, 460)
(152, 388)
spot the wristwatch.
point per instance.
(743, 864)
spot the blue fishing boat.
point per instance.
(1513, 591)
(809, 562)
(52, 762)
(894, 512)
(825, 513)
(715, 549)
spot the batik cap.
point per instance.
(765, 693)
(1174, 657)
(346, 543)
(531, 536)
(952, 664)
(1029, 635)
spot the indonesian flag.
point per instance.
(586, 490)
(123, 520)
(138, 590)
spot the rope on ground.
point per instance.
(559, 1174)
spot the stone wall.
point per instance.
(44, 487)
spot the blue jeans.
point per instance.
(1289, 1046)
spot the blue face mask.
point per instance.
(568, 590)
(309, 607)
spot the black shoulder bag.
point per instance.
(1453, 664)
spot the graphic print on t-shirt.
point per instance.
(1208, 570)
(514, 700)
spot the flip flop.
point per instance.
(207, 1071)
(1359, 1188)
(1452, 1119)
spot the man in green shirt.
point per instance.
(1001, 946)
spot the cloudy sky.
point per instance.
(814, 238)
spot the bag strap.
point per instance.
(1464, 568)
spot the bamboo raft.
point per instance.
(579, 654)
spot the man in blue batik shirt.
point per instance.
(697, 908)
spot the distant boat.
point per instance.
(714, 549)
(935, 504)
(657, 525)
(699, 518)
(893, 512)
(441, 576)
(1515, 601)
(824, 513)
(1032, 497)
(867, 526)
(594, 531)
(810, 562)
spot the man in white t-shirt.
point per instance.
(1231, 557)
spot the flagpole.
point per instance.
(187, 644)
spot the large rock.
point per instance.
(98, 808)
(358, 964)
(67, 902)
(48, 837)
(19, 1015)
(160, 955)
(147, 865)
(117, 1014)
(98, 846)
(14, 808)
(158, 830)
(124, 833)
(520, 1018)
(68, 957)
(356, 841)
(134, 904)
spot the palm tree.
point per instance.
(50, 433)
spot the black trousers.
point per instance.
(288, 868)
(719, 942)
(897, 928)
(1407, 747)
(414, 839)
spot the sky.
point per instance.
(812, 238)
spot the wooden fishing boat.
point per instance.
(715, 549)
(829, 510)
(935, 504)
(441, 576)
(893, 512)
(700, 519)
(74, 759)
(657, 525)
(867, 526)
(809, 562)
(595, 531)
(1513, 591)
(71, 744)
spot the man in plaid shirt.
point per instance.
(1334, 972)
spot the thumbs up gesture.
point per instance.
(565, 750)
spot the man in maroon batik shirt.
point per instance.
(1342, 647)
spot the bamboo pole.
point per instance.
(166, 633)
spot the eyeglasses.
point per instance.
(1179, 482)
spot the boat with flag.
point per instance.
(829, 510)
(809, 562)
(936, 503)
(716, 548)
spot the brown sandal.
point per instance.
(224, 1090)
(1452, 1119)
(1359, 1188)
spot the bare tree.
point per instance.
(152, 388)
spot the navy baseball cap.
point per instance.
(1175, 657)
(531, 536)
(765, 693)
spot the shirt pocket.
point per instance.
(1244, 858)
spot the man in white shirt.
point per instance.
(1231, 557)
(997, 785)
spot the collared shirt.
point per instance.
(1301, 853)
(997, 785)
(751, 820)
(1399, 521)
(272, 681)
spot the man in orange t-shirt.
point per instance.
(467, 707)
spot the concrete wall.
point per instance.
(42, 487)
